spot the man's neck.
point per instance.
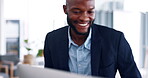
(78, 39)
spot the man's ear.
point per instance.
(65, 9)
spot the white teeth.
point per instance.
(83, 24)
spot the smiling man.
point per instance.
(80, 15)
(86, 48)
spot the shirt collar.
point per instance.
(86, 44)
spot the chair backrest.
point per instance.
(13, 58)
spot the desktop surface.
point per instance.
(28, 71)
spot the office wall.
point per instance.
(2, 39)
(136, 5)
(0, 24)
(37, 18)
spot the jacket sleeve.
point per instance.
(126, 64)
(47, 54)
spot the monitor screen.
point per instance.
(30, 71)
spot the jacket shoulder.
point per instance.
(58, 32)
(106, 30)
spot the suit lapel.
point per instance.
(63, 50)
(95, 50)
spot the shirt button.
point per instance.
(79, 65)
(80, 49)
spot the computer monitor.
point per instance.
(29, 71)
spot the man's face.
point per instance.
(80, 15)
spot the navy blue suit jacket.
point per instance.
(109, 52)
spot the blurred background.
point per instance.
(25, 23)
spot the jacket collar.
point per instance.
(96, 43)
(63, 49)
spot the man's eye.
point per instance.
(76, 12)
(91, 11)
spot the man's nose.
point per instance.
(84, 17)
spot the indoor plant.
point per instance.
(28, 58)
